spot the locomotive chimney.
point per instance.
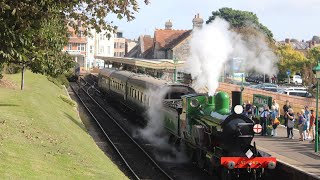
(236, 97)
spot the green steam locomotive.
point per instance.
(220, 139)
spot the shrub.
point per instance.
(68, 100)
(55, 81)
(63, 80)
(11, 68)
(59, 81)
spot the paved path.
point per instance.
(291, 151)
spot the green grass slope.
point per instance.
(41, 136)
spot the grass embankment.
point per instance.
(41, 136)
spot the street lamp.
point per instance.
(241, 89)
(175, 61)
(316, 71)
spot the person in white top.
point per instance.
(276, 105)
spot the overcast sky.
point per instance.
(285, 18)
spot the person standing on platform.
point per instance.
(307, 115)
(264, 116)
(276, 105)
(312, 128)
(274, 120)
(290, 123)
(285, 108)
(301, 125)
(248, 109)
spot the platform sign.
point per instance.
(257, 128)
(261, 100)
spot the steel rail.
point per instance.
(109, 139)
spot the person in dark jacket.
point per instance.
(285, 108)
(264, 117)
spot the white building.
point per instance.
(99, 45)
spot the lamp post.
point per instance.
(241, 89)
(175, 61)
(316, 71)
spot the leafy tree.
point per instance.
(313, 56)
(240, 19)
(33, 33)
(290, 59)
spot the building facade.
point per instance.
(167, 43)
(77, 46)
(85, 48)
(99, 45)
(119, 45)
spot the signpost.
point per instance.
(288, 74)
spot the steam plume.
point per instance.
(213, 46)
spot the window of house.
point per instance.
(108, 50)
(115, 45)
(102, 37)
(80, 34)
(81, 47)
(91, 49)
(101, 50)
(69, 46)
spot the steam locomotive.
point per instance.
(220, 139)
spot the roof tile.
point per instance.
(168, 37)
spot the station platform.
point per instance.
(292, 152)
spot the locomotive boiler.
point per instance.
(219, 136)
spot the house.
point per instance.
(167, 43)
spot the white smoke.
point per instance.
(153, 131)
(215, 44)
(210, 48)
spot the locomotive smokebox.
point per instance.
(236, 97)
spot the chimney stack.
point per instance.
(287, 40)
(168, 25)
(197, 22)
(310, 44)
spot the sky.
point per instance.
(297, 19)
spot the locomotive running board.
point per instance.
(245, 124)
(245, 136)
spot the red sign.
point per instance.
(257, 128)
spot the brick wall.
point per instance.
(296, 102)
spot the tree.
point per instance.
(290, 59)
(240, 19)
(33, 33)
(313, 55)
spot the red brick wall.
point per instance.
(296, 102)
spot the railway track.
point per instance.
(139, 163)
